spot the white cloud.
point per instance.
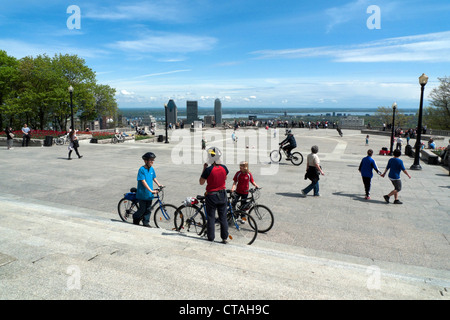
(126, 93)
(345, 13)
(168, 11)
(20, 49)
(431, 47)
(166, 43)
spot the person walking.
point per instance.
(366, 168)
(26, 135)
(215, 176)
(399, 144)
(9, 137)
(145, 193)
(395, 166)
(74, 145)
(313, 170)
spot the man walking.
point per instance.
(366, 168)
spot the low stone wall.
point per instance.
(18, 142)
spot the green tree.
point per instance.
(8, 83)
(35, 91)
(401, 119)
(437, 115)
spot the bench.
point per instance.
(429, 156)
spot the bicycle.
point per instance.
(191, 215)
(262, 214)
(163, 216)
(62, 140)
(117, 138)
(296, 157)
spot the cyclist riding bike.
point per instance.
(289, 143)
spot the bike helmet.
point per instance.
(288, 131)
(148, 156)
(214, 155)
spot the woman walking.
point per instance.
(9, 137)
(74, 145)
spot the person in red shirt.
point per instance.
(241, 183)
(215, 175)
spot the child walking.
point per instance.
(241, 183)
(395, 166)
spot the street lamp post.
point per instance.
(394, 106)
(165, 107)
(71, 108)
(423, 79)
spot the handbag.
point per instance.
(11, 135)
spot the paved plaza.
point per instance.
(61, 236)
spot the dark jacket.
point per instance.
(290, 139)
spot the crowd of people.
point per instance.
(214, 175)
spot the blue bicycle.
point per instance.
(162, 217)
(191, 217)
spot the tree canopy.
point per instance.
(437, 114)
(34, 90)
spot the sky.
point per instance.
(248, 53)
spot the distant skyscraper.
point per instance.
(218, 112)
(191, 111)
(171, 112)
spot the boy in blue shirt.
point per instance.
(145, 193)
(366, 168)
(395, 166)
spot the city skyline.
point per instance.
(354, 54)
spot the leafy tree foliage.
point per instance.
(34, 90)
(437, 115)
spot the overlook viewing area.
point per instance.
(61, 236)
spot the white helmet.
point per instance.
(214, 155)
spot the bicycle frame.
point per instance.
(161, 206)
(284, 151)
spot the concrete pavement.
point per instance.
(61, 237)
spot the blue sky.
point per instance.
(248, 53)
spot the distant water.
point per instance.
(260, 113)
(290, 114)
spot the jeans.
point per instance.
(242, 197)
(367, 182)
(144, 211)
(217, 201)
(25, 140)
(312, 186)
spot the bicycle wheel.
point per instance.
(263, 217)
(296, 158)
(275, 156)
(190, 219)
(114, 140)
(60, 141)
(126, 209)
(243, 229)
(164, 216)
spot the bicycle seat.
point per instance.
(200, 197)
(133, 190)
